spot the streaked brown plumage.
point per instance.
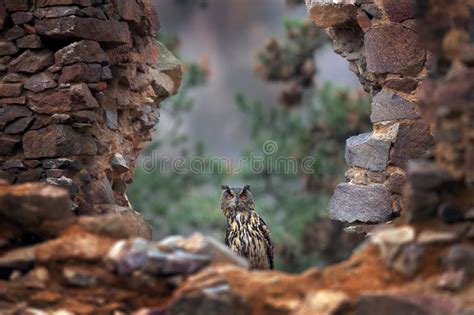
(247, 234)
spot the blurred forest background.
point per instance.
(254, 71)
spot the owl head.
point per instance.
(236, 199)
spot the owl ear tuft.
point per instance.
(225, 187)
(246, 187)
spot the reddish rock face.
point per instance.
(414, 141)
(40, 82)
(399, 10)
(12, 112)
(45, 3)
(85, 28)
(403, 84)
(17, 5)
(76, 97)
(85, 51)
(387, 106)
(80, 72)
(57, 140)
(10, 89)
(32, 62)
(72, 85)
(393, 49)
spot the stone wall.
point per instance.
(80, 91)
(379, 39)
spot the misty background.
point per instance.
(226, 34)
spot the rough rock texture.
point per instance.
(54, 262)
(346, 204)
(71, 65)
(379, 40)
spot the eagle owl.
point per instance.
(247, 234)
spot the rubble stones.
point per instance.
(84, 28)
(12, 163)
(204, 245)
(14, 33)
(7, 48)
(8, 144)
(386, 53)
(367, 152)
(390, 241)
(45, 3)
(80, 72)
(84, 51)
(62, 163)
(58, 11)
(12, 112)
(30, 175)
(405, 85)
(21, 17)
(17, 5)
(40, 82)
(129, 10)
(387, 106)
(414, 141)
(327, 14)
(29, 41)
(63, 182)
(119, 164)
(347, 205)
(119, 223)
(76, 97)
(170, 264)
(399, 10)
(396, 182)
(32, 62)
(57, 140)
(19, 126)
(10, 89)
(33, 203)
(126, 257)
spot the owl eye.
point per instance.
(243, 197)
(230, 196)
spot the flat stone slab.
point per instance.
(57, 140)
(329, 13)
(364, 203)
(85, 28)
(388, 106)
(393, 49)
(366, 152)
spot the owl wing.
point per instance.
(226, 239)
(266, 234)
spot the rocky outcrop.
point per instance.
(81, 81)
(54, 261)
